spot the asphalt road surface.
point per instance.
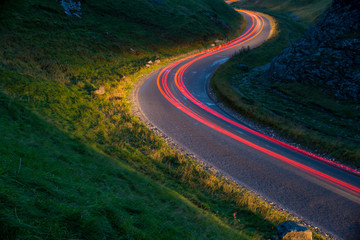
(176, 101)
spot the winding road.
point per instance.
(176, 101)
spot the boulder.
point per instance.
(290, 230)
(100, 91)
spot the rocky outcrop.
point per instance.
(71, 8)
(328, 55)
(290, 230)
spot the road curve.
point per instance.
(176, 101)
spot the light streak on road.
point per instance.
(254, 30)
(231, 1)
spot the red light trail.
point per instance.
(254, 30)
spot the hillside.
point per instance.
(54, 187)
(302, 10)
(108, 38)
(327, 56)
(302, 84)
(75, 163)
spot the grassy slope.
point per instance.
(307, 10)
(112, 38)
(86, 180)
(54, 187)
(305, 114)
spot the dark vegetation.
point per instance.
(76, 165)
(302, 113)
(326, 56)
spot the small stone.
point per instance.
(148, 65)
(100, 91)
(150, 62)
(290, 230)
(157, 61)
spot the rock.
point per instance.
(100, 91)
(148, 65)
(157, 61)
(306, 52)
(150, 62)
(243, 67)
(328, 53)
(290, 230)
(71, 8)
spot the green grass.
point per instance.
(75, 165)
(300, 10)
(54, 187)
(106, 125)
(299, 112)
(112, 39)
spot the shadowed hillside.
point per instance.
(328, 55)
